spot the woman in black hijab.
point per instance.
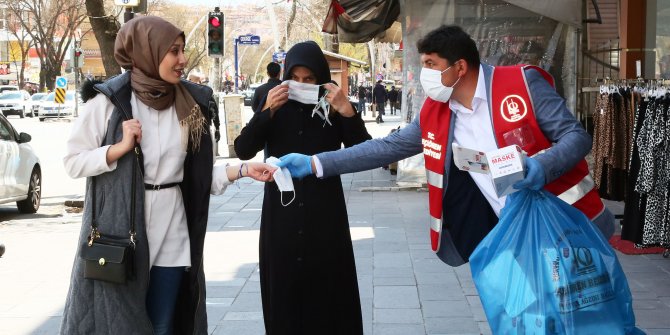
(307, 269)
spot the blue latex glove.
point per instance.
(298, 164)
(534, 179)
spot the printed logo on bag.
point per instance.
(584, 261)
(513, 108)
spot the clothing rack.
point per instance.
(646, 177)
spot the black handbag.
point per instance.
(106, 257)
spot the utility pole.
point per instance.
(75, 68)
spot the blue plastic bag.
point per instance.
(546, 269)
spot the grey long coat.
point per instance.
(95, 307)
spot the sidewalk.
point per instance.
(404, 288)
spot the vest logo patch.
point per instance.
(430, 148)
(513, 108)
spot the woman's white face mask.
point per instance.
(431, 81)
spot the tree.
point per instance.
(105, 27)
(24, 45)
(51, 25)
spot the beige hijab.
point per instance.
(141, 44)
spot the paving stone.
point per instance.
(396, 297)
(392, 260)
(446, 308)
(398, 315)
(448, 325)
(395, 329)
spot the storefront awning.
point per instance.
(359, 21)
(565, 11)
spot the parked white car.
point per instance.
(5, 88)
(14, 103)
(50, 108)
(35, 102)
(20, 171)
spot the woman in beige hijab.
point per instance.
(151, 118)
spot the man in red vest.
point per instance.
(482, 107)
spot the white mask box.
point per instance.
(505, 166)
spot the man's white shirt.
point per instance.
(473, 129)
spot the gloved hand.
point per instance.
(534, 179)
(298, 164)
(217, 135)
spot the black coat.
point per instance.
(308, 274)
(379, 94)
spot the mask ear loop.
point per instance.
(325, 106)
(281, 198)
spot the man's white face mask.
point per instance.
(283, 180)
(431, 81)
(302, 92)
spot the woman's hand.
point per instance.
(338, 100)
(132, 134)
(256, 170)
(259, 171)
(276, 98)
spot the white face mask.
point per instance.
(431, 81)
(302, 92)
(283, 180)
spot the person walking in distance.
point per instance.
(379, 98)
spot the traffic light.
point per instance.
(76, 57)
(215, 34)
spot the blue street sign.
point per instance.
(61, 82)
(278, 56)
(249, 39)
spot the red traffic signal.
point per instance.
(214, 21)
(215, 47)
(77, 53)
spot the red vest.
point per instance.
(514, 122)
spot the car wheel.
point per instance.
(41, 119)
(22, 113)
(32, 203)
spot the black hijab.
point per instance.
(309, 55)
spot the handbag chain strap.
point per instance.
(95, 234)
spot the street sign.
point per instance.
(127, 3)
(61, 85)
(249, 39)
(279, 56)
(61, 82)
(60, 95)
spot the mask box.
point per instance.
(505, 165)
(507, 168)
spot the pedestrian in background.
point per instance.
(361, 99)
(273, 70)
(379, 99)
(393, 99)
(147, 116)
(307, 268)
